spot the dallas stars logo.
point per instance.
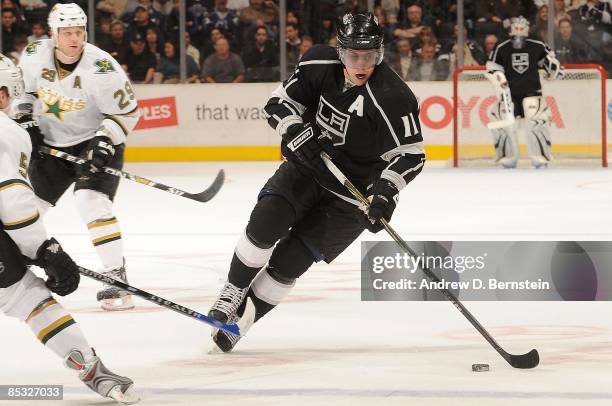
(56, 110)
(32, 47)
(104, 66)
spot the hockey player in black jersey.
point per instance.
(349, 103)
(513, 71)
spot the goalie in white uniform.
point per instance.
(85, 105)
(23, 238)
(513, 71)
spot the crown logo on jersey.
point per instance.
(104, 66)
(32, 47)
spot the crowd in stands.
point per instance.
(230, 41)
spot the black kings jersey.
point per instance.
(520, 66)
(374, 128)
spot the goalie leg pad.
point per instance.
(506, 146)
(537, 130)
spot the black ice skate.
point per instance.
(226, 305)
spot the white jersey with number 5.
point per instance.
(72, 106)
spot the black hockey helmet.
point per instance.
(359, 31)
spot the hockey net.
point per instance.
(577, 103)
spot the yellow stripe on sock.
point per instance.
(102, 223)
(36, 312)
(57, 323)
(102, 240)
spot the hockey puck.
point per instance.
(480, 367)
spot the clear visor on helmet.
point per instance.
(360, 58)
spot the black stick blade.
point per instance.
(212, 190)
(524, 361)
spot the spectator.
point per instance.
(489, 18)
(292, 18)
(103, 31)
(139, 62)
(113, 8)
(191, 50)
(209, 46)
(490, 42)
(39, 31)
(141, 22)
(118, 45)
(10, 30)
(32, 5)
(223, 18)
(402, 60)
(568, 47)
(412, 28)
(387, 28)
(305, 45)
(596, 16)
(223, 66)
(390, 9)
(154, 43)
(473, 54)
(261, 59)
(560, 12)
(427, 37)
(539, 30)
(170, 67)
(292, 44)
(163, 7)
(21, 41)
(264, 10)
(427, 67)
(172, 23)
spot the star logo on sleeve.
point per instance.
(104, 66)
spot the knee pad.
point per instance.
(19, 299)
(290, 259)
(12, 265)
(93, 206)
(270, 220)
(536, 111)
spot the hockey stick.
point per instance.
(202, 197)
(523, 361)
(235, 329)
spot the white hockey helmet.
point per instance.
(11, 77)
(66, 15)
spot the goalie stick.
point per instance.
(202, 197)
(235, 329)
(523, 361)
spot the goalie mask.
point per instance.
(519, 31)
(360, 40)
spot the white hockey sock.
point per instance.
(96, 210)
(106, 238)
(56, 329)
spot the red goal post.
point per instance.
(577, 102)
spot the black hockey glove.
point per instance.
(28, 123)
(303, 141)
(101, 151)
(63, 274)
(382, 205)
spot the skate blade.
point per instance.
(215, 350)
(118, 304)
(129, 397)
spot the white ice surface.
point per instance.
(325, 346)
